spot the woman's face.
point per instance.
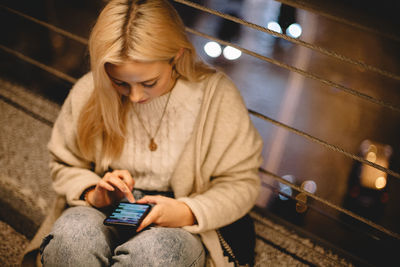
(141, 81)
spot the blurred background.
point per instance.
(323, 93)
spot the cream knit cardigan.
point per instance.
(216, 174)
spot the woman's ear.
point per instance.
(179, 54)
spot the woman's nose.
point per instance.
(136, 93)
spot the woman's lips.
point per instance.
(143, 101)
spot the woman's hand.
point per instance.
(112, 188)
(167, 212)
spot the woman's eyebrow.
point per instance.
(118, 80)
(150, 80)
(111, 77)
(114, 79)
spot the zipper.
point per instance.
(228, 249)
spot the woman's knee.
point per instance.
(79, 236)
(161, 247)
(80, 225)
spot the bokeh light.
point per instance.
(310, 186)
(274, 26)
(285, 188)
(380, 182)
(294, 30)
(231, 53)
(213, 49)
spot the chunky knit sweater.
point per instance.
(152, 170)
(215, 174)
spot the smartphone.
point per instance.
(127, 214)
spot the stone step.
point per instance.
(12, 245)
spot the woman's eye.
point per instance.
(149, 85)
(120, 83)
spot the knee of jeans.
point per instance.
(43, 245)
(162, 247)
(78, 230)
(57, 250)
(76, 249)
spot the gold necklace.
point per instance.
(153, 145)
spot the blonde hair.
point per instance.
(140, 30)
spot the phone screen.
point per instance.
(128, 214)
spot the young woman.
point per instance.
(153, 124)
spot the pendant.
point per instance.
(152, 145)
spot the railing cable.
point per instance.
(301, 4)
(270, 60)
(290, 39)
(331, 205)
(325, 144)
(47, 25)
(300, 71)
(36, 63)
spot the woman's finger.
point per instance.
(106, 185)
(149, 219)
(150, 200)
(126, 177)
(118, 183)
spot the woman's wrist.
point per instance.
(190, 218)
(86, 194)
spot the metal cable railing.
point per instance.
(317, 48)
(325, 144)
(331, 205)
(47, 25)
(265, 118)
(36, 63)
(249, 52)
(303, 5)
(300, 71)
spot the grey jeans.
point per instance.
(79, 238)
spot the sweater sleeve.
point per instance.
(70, 172)
(230, 155)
